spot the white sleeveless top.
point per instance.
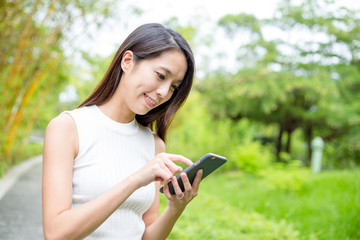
(109, 152)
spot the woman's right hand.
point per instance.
(162, 168)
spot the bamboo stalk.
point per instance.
(17, 119)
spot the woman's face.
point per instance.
(150, 82)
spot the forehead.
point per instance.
(173, 62)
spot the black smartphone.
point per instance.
(208, 163)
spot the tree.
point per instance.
(338, 55)
(35, 43)
(290, 82)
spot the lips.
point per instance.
(151, 102)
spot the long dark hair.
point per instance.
(148, 41)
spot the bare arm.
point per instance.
(160, 227)
(60, 221)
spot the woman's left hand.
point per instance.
(179, 200)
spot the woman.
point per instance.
(103, 166)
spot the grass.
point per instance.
(234, 205)
(27, 151)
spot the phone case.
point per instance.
(208, 163)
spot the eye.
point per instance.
(160, 75)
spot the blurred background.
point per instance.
(277, 91)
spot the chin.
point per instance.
(142, 111)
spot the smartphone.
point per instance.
(208, 163)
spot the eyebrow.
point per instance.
(170, 73)
(166, 70)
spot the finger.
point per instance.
(167, 192)
(197, 180)
(163, 175)
(162, 164)
(176, 186)
(172, 166)
(163, 161)
(179, 158)
(186, 182)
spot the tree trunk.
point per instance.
(308, 137)
(288, 142)
(278, 143)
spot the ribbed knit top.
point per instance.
(109, 152)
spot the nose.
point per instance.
(163, 90)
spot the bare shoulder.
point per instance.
(64, 121)
(159, 144)
(63, 132)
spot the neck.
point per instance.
(115, 111)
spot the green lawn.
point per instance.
(234, 205)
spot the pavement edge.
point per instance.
(10, 178)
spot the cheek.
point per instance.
(166, 99)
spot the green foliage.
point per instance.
(254, 158)
(251, 157)
(29, 150)
(25, 151)
(194, 132)
(188, 32)
(246, 21)
(85, 77)
(33, 62)
(223, 221)
(285, 177)
(343, 152)
(314, 87)
(196, 135)
(233, 203)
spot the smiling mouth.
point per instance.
(151, 102)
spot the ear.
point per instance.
(127, 61)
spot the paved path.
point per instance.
(20, 206)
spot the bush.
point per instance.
(288, 177)
(252, 157)
(342, 154)
(226, 222)
(25, 151)
(256, 159)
